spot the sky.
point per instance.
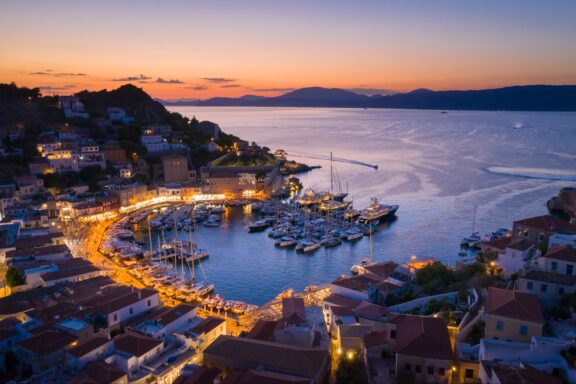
(206, 48)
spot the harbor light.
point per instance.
(350, 355)
(339, 351)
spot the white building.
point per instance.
(515, 256)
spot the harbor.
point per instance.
(163, 246)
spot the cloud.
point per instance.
(230, 86)
(133, 78)
(273, 89)
(54, 88)
(218, 80)
(198, 87)
(372, 91)
(165, 81)
(40, 73)
(69, 74)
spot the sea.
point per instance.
(438, 166)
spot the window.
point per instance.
(530, 285)
(131, 310)
(418, 368)
(554, 266)
(543, 288)
(561, 290)
(393, 334)
(569, 269)
(408, 367)
(115, 317)
(499, 325)
(430, 370)
(441, 371)
(523, 330)
(149, 303)
(469, 373)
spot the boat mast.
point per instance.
(331, 174)
(193, 277)
(150, 237)
(474, 220)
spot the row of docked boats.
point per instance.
(237, 307)
(303, 224)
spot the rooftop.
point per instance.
(281, 358)
(424, 337)
(550, 277)
(206, 325)
(548, 223)
(103, 372)
(88, 346)
(514, 305)
(47, 342)
(566, 253)
(136, 344)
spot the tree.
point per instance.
(351, 371)
(14, 278)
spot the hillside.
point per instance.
(517, 98)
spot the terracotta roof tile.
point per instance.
(548, 223)
(423, 337)
(206, 325)
(136, 344)
(562, 253)
(514, 305)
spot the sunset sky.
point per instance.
(201, 49)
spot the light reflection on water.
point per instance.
(433, 165)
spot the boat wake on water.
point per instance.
(535, 173)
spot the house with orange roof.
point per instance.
(512, 315)
(539, 228)
(423, 349)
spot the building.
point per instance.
(494, 372)
(163, 323)
(119, 304)
(44, 350)
(536, 229)
(154, 143)
(512, 315)
(134, 350)
(100, 372)
(73, 107)
(516, 256)
(90, 350)
(544, 354)
(240, 353)
(129, 194)
(554, 276)
(116, 114)
(423, 348)
(114, 153)
(200, 334)
(561, 240)
(239, 181)
(175, 168)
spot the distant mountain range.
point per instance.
(516, 98)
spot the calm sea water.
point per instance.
(436, 166)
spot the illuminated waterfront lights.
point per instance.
(350, 355)
(339, 351)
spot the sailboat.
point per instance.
(365, 262)
(339, 195)
(474, 240)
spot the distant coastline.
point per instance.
(553, 98)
